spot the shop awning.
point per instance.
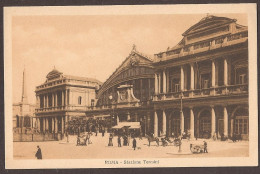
(117, 127)
(135, 127)
(130, 125)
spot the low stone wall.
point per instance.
(18, 137)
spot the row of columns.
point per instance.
(213, 122)
(54, 124)
(65, 96)
(183, 76)
(128, 117)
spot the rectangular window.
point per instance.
(241, 125)
(206, 84)
(177, 87)
(242, 78)
(79, 100)
(241, 75)
(205, 81)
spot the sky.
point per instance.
(91, 45)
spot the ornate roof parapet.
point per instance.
(57, 78)
(211, 32)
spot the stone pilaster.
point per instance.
(155, 126)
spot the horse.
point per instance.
(164, 142)
(82, 140)
(236, 137)
(151, 139)
(185, 136)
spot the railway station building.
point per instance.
(199, 85)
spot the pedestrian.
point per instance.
(67, 135)
(125, 140)
(134, 143)
(205, 147)
(119, 141)
(78, 131)
(96, 131)
(38, 154)
(110, 143)
(128, 139)
(103, 133)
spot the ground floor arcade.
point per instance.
(202, 121)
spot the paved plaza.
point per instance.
(99, 149)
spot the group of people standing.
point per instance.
(126, 141)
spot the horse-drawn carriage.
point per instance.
(152, 138)
(84, 139)
(236, 137)
(166, 141)
(197, 148)
(185, 135)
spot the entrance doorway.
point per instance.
(220, 127)
(205, 124)
(175, 121)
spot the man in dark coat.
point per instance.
(134, 143)
(110, 143)
(38, 154)
(96, 131)
(205, 147)
(125, 140)
(119, 141)
(103, 132)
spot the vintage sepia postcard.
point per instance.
(131, 86)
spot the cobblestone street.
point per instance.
(99, 149)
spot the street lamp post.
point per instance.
(181, 113)
(112, 116)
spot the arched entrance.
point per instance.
(175, 123)
(240, 121)
(205, 124)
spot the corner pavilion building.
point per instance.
(61, 98)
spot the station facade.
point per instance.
(127, 93)
(199, 85)
(207, 72)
